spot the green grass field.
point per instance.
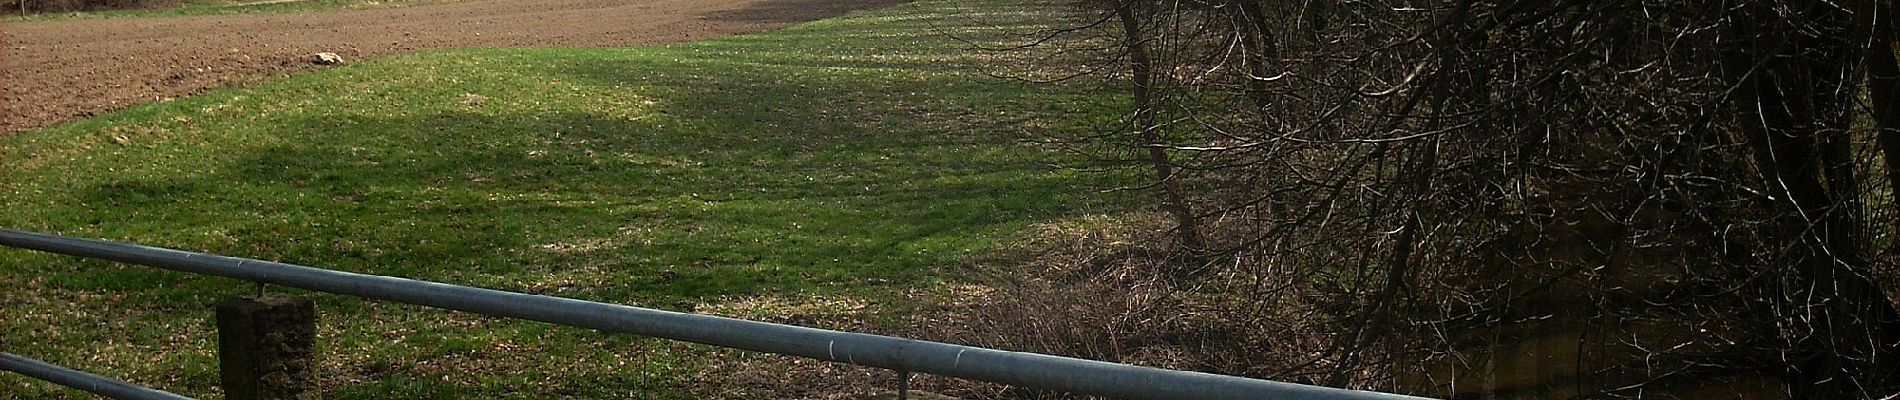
(829, 166)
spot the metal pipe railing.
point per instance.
(103, 386)
(904, 355)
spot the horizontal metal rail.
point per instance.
(989, 365)
(95, 384)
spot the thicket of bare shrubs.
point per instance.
(1103, 290)
(46, 6)
(1531, 199)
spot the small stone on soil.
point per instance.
(327, 59)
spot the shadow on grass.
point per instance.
(664, 215)
(792, 11)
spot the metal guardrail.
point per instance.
(903, 355)
(103, 386)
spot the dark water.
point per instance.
(1568, 312)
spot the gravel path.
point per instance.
(57, 71)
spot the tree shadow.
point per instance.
(633, 212)
(795, 11)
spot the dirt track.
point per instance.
(52, 72)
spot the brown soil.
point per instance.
(52, 72)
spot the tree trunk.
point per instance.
(1260, 49)
(1883, 79)
(1793, 91)
(1174, 198)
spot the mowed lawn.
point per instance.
(825, 169)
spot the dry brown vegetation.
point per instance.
(1101, 288)
(46, 6)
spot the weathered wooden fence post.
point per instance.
(265, 347)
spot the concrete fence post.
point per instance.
(265, 347)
